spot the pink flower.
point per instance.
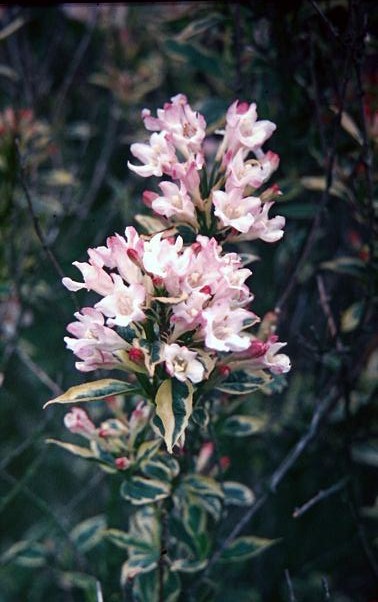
(78, 421)
(181, 363)
(269, 230)
(223, 327)
(124, 304)
(235, 211)
(250, 173)
(186, 128)
(175, 203)
(157, 157)
(243, 130)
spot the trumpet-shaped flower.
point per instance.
(181, 363)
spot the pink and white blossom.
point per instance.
(174, 203)
(124, 304)
(77, 421)
(234, 211)
(182, 363)
(158, 157)
(186, 128)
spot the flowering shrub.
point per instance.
(172, 312)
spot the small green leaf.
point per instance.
(144, 491)
(241, 383)
(148, 449)
(162, 467)
(350, 318)
(83, 581)
(246, 547)
(25, 553)
(89, 533)
(173, 410)
(185, 565)
(200, 416)
(77, 450)
(237, 494)
(242, 426)
(93, 391)
(127, 541)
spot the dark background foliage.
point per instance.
(85, 72)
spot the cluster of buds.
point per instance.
(171, 308)
(113, 441)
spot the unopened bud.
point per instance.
(224, 462)
(224, 371)
(122, 463)
(206, 290)
(136, 354)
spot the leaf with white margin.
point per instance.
(144, 491)
(174, 404)
(246, 547)
(94, 391)
(237, 494)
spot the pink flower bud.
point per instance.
(122, 463)
(257, 348)
(242, 107)
(206, 290)
(78, 421)
(149, 196)
(136, 355)
(224, 371)
(224, 462)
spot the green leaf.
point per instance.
(173, 409)
(83, 581)
(241, 383)
(350, 318)
(76, 450)
(246, 547)
(205, 491)
(93, 391)
(25, 553)
(242, 426)
(237, 494)
(200, 416)
(144, 491)
(162, 467)
(345, 265)
(89, 533)
(128, 541)
(147, 449)
(146, 587)
(185, 565)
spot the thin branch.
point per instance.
(37, 226)
(75, 63)
(327, 593)
(330, 162)
(290, 588)
(325, 19)
(319, 497)
(324, 302)
(38, 372)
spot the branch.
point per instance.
(292, 597)
(319, 497)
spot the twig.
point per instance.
(78, 56)
(99, 596)
(37, 227)
(235, 10)
(316, 423)
(327, 593)
(311, 238)
(290, 588)
(331, 28)
(38, 372)
(319, 497)
(324, 302)
(317, 420)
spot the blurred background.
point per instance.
(73, 80)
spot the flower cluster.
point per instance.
(172, 312)
(229, 205)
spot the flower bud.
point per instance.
(78, 421)
(122, 463)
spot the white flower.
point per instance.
(123, 305)
(181, 363)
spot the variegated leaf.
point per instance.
(89, 533)
(77, 450)
(246, 547)
(173, 409)
(93, 391)
(241, 383)
(144, 491)
(242, 426)
(237, 494)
